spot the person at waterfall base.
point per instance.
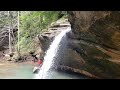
(40, 62)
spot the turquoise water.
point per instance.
(20, 71)
(24, 71)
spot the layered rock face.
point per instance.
(94, 43)
(92, 47)
(45, 39)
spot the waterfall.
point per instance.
(50, 54)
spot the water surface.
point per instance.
(16, 71)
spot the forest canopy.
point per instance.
(31, 23)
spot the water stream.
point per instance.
(52, 53)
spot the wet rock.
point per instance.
(46, 38)
(95, 39)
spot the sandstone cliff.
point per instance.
(95, 41)
(92, 47)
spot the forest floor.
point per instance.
(5, 62)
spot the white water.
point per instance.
(51, 52)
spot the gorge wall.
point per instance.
(95, 41)
(92, 47)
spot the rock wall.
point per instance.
(92, 47)
(94, 43)
(45, 39)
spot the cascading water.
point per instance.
(50, 54)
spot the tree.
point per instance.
(33, 23)
(18, 47)
(7, 28)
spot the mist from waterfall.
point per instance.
(50, 54)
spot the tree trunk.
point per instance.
(10, 49)
(18, 49)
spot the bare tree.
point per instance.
(8, 23)
(18, 49)
(10, 49)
